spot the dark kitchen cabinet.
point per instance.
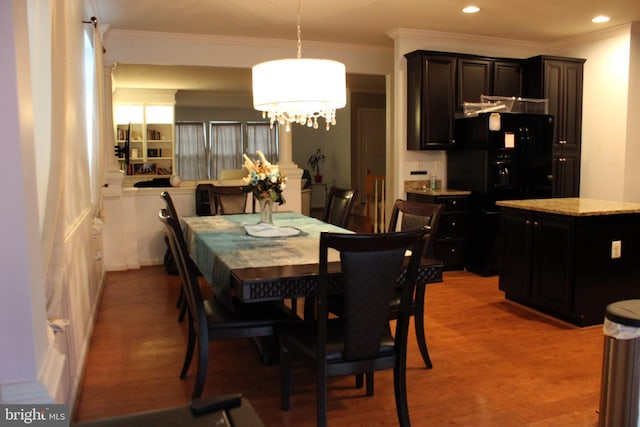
(453, 231)
(560, 80)
(562, 264)
(536, 261)
(507, 78)
(474, 77)
(431, 82)
(566, 174)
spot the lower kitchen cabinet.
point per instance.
(536, 258)
(453, 231)
(562, 265)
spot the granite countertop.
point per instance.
(573, 206)
(444, 192)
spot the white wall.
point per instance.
(406, 41)
(610, 137)
(48, 268)
(632, 171)
(177, 49)
(607, 146)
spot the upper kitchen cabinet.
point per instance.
(474, 77)
(431, 97)
(560, 81)
(507, 77)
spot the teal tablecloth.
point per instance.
(219, 244)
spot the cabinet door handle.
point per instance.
(453, 251)
(562, 142)
(454, 202)
(453, 224)
(527, 222)
(562, 159)
(535, 223)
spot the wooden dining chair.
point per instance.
(169, 260)
(231, 200)
(361, 341)
(407, 215)
(205, 200)
(210, 320)
(339, 205)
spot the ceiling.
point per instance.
(364, 22)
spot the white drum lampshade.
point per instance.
(299, 90)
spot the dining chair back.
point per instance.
(205, 200)
(409, 215)
(361, 341)
(231, 200)
(169, 260)
(210, 320)
(339, 205)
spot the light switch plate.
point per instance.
(616, 249)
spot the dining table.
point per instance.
(269, 268)
(251, 262)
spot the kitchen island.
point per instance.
(569, 257)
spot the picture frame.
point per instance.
(154, 152)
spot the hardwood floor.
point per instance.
(495, 363)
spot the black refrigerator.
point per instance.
(498, 156)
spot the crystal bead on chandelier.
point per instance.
(297, 90)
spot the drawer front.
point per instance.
(453, 225)
(454, 203)
(451, 252)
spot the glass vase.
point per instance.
(266, 209)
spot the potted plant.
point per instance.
(314, 162)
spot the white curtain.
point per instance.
(54, 214)
(97, 164)
(261, 137)
(191, 151)
(226, 147)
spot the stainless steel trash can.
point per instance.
(620, 386)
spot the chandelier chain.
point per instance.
(299, 30)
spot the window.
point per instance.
(199, 159)
(192, 153)
(226, 146)
(261, 137)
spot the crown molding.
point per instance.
(240, 41)
(413, 34)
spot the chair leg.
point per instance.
(369, 376)
(321, 399)
(183, 309)
(419, 324)
(400, 392)
(203, 360)
(285, 378)
(191, 342)
(180, 297)
(359, 381)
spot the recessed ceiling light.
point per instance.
(600, 19)
(471, 9)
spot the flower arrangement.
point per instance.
(264, 179)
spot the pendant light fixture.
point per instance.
(297, 90)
